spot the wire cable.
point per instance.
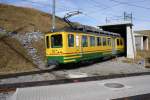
(129, 4)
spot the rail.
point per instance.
(13, 86)
(14, 75)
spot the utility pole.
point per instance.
(124, 16)
(53, 16)
(131, 17)
(106, 20)
(128, 17)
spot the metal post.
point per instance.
(124, 15)
(53, 16)
(106, 20)
(131, 18)
(133, 42)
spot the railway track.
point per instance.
(6, 90)
(15, 75)
(12, 87)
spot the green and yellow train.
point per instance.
(71, 46)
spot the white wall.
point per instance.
(138, 42)
(141, 43)
(130, 43)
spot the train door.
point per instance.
(113, 46)
(78, 44)
(84, 43)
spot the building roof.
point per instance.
(138, 34)
(88, 30)
(117, 24)
(145, 32)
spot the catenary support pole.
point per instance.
(53, 15)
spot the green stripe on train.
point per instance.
(84, 56)
(60, 59)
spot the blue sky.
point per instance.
(95, 11)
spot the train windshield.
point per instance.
(56, 41)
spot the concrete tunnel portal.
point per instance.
(125, 30)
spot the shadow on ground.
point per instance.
(71, 66)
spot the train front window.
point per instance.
(56, 41)
(121, 42)
(47, 41)
(118, 42)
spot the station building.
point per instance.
(141, 41)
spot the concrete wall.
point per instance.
(145, 43)
(141, 42)
(130, 43)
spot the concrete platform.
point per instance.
(94, 90)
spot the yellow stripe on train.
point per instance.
(69, 60)
(71, 57)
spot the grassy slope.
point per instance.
(13, 57)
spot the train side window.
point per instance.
(109, 41)
(118, 42)
(77, 41)
(99, 43)
(92, 41)
(121, 42)
(104, 41)
(70, 40)
(84, 41)
(47, 42)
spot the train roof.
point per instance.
(88, 30)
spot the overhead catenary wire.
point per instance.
(97, 9)
(140, 19)
(130, 4)
(66, 9)
(100, 9)
(86, 13)
(121, 3)
(43, 4)
(96, 20)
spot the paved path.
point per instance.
(94, 90)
